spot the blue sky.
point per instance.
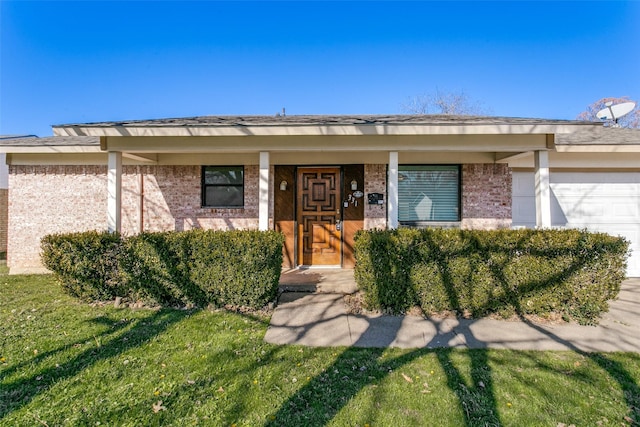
(69, 62)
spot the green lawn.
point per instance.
(67, 363)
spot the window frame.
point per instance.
(441, 223)
(204, 186)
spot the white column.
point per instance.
(263, 209)
(392, 202)
(114, 189)
(542, 189)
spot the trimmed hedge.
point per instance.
(156, 268)
(196, 267)
(85, 264)
(478, 272)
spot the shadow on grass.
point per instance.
(119, 339)
(322, 398)
(114, 326)
(613, 368)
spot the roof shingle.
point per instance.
(600, 136)
(325, 120)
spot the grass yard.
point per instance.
(67, 363)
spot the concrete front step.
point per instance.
(318, 280)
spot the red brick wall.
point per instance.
(54, 199)
(486, 196)
(172, 200)
(375, 181)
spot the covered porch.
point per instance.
(283, 149)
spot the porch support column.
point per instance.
(263, 209)
(542, 189)
(392, 202)
(114, 191)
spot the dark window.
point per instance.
(428, 193)
(223, 186)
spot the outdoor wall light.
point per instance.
(283, 186)
(354, 185)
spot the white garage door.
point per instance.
(604, 202)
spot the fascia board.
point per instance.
(316, 130)
(459, 143)
(622, 148)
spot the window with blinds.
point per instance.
(428, 193)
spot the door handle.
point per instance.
(338, 225)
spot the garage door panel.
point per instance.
(595, 189)
(598, 210)
(524, 210)
(599, 178)
(522, 183)
(599, 202)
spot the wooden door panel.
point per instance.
(353, 214)
(284, 211)
(319, 239)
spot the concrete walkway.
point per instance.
(320, 319)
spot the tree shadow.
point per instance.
(626, 382)
(119, 339)
(366, 364)
(160, 274)
(329, 392)
(476, 398)
(184, 400)
(114, 326)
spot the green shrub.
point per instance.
(237, 268)
(570, 272)
(381, 273)
(156, 267)
(85, 264)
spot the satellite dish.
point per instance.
(614, 112)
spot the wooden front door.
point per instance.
(318, 216)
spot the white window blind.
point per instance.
(428, 193)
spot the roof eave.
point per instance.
(323, 130)
(50, 149)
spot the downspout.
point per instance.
(140, 201)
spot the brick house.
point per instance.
(319, 179)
